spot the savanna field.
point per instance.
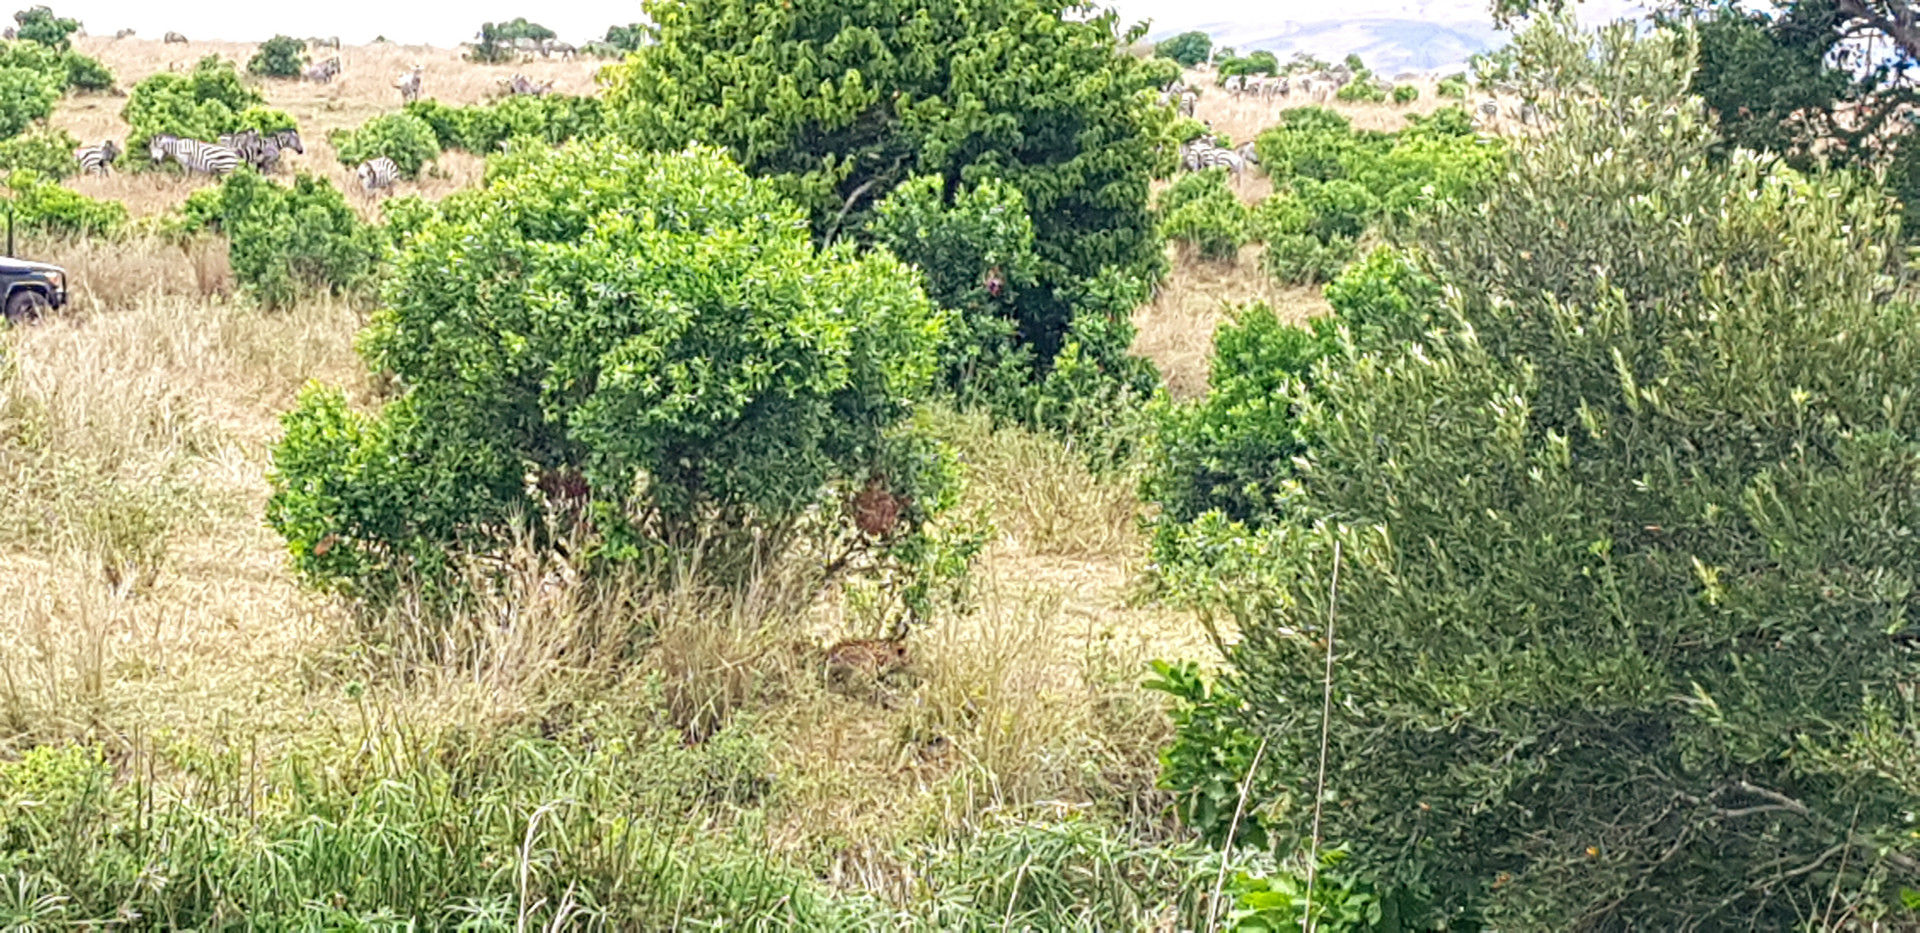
(1463, 501)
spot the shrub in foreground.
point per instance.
(1626, 562)
(286, 241)
(1200, 212)
(41, 204)
(645, 349)
(406, 139)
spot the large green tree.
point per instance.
(840, 103)
(1627, 570)
(644, 350)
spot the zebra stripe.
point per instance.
(376, 173)
(194, 155)
(97, 159)
(1199, 156)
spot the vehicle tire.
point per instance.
(26, 306)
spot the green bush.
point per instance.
(1626, 551)
(1361, 89)
(861, 117)
(1303, 259)
(279, 57)
(406, 139)
(1340, 209)
(43, 205)
(1454, 88)
(65, 70)
(26, 97)
(661, 328)
(264, 120)
(87, 74)
(628, 38)
(975, 255)
(1311, 142)
(285, 242)
(496, 39)
(1199, 211)
(1405, 94)
(45, 152)
(1258, 63)
(39, 26)
(200, 104)
(1187, 48)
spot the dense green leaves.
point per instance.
(279, 57)
(40, 204)
(1199, 212)
(1624, 537)
(286, 242)
(40, 26)
(482, 128)
(1187, 48)
(406, 139)
(47, 153)
(200, 104)
(26, 97)
(838, 105)
(648, 344)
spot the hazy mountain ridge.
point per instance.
(1389, 46)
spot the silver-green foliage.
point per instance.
(1627, 549)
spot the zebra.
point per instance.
(97, 159)
(1489, 110)
(173, 38)
(123, 34)
(194, 155)
(1199, 156)
(409, 85)
(322, 72)
(330, 42)
(562, 49)
(376, 173)
(1188, 100)
(521, 84)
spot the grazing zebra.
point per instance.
(1489, 110)
(262, 151)
(194, 155)
(409, 85)
(1235, 84)
(123, 34)
(322, 72)
(1198, 156)
(97, 159)
(562, 49)
(174, 38)
(521, 84)
(1188, 100)
(375, 174)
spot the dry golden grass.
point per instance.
(1175, 330)
(363, 90)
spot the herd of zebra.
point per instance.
(1205, 152)
(260, 150)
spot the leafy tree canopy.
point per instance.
(38, 24)
(839, 104)
(644, 349)
(1187, 48)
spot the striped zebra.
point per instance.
(173, 38)
(1198, 156)
(375, 174)
(322, 72)
(194, 155)
(1188, 101)
(409, 84)
(97, 159)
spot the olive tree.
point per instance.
(1626, 563)
(644, 350)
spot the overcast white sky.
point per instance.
(442, 23)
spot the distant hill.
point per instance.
(1389, 46)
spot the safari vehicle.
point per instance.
(30, 287)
